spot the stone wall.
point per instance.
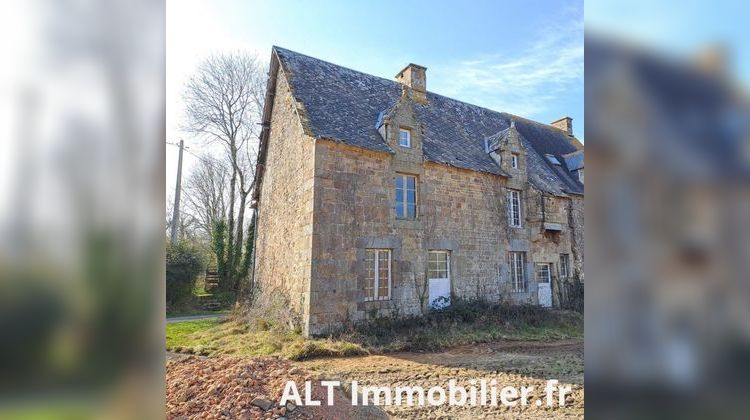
(460, 211)
(575, 221)
(323, 203)
(285, 216)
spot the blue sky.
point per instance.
(522, 57)
(679, 29)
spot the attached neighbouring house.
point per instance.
(380, 198)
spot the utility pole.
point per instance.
(176, 211)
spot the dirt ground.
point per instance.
(510, 363)
(514, 363)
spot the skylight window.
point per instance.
(552, 159)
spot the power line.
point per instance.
(189, 150)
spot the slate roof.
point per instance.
(345, 105)
(696, 125)
(574, 161)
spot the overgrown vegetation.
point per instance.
(183, 264)
(465, 322)
(269, 331)
(572, 295)
(212, 338)
(224, 107)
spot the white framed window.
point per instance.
(438, 265)
(514, 160)
(517, 275)
(377, 274)
(404, 137)
(543, 273)
(406, 196)
(564, 266)
(514, 208)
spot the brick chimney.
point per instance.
(414, 76)
(565, 124)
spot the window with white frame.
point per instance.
(564, 266)
(378, 274)
(543, 273)
(514, 208)
(404, 137)
(406, 196)
(514, 160)
(438, 265)
(517, 277)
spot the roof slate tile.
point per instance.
(344, 105)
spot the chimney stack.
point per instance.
(713, 59)
(565, 124)
(414, 76)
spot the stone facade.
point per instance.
(285, 212)
(461, 211)
(323, 203)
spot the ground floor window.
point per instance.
(378, 274)
(438, 265)
(543, 273)
(517, 277)
(564, 266)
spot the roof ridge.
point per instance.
(276, 47)
(429, 92)
(344, 104)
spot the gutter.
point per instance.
(260, 163)
(266, 127)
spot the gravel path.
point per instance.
(510, 363)
(194, 318)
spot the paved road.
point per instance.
(195, 318)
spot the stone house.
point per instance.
(379, 198)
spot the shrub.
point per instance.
(572, 295)
(218, 246)
(184, 262)
(465, 321)
(268, 312)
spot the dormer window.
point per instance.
(580, 175)
(404, 137)
(514, 161)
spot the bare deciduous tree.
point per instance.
(205, 192)
(224, 104)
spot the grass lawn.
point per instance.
(48, 410)
(432, 333)
(213, 337)
(193, 312)
(195, 304)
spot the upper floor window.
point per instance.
(378, 274)
(406, 196)
(514, 208)
(514, 160)
(404, 137)
(580, 175)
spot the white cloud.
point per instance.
(526, 81)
